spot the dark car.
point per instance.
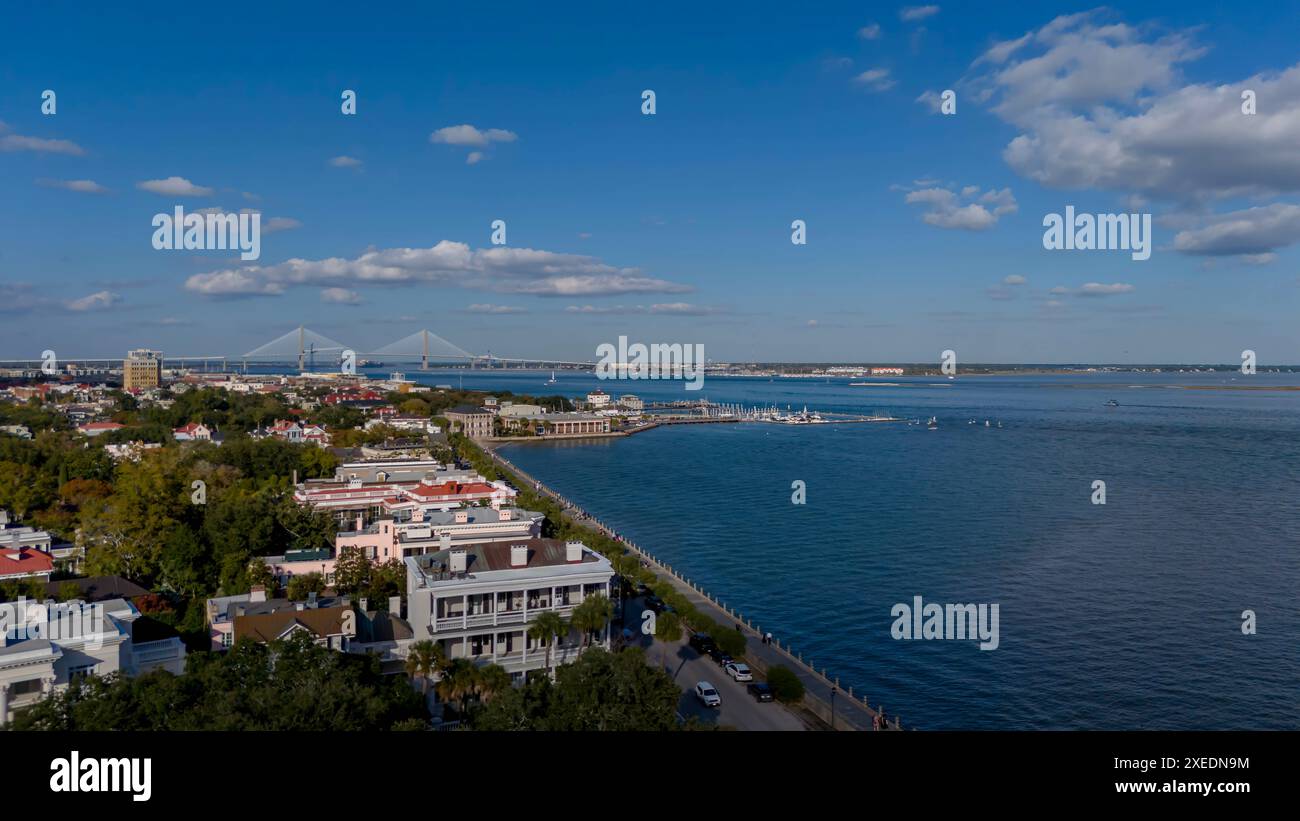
(655, 603)
(760, 691)
(715, 653)
(702, 643)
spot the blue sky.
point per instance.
(924, 231)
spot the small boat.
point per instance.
(551, 381)
(986, 423)
(1111, 403)
(933, 424)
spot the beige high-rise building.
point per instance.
(142, 370)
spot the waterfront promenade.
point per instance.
(851, 711)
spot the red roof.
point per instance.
(450, 488)
(101, 426)
(24, 562)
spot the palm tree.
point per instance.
(492, 681)
(459, 681)
(548, 627)
(592, 615)
(424, 660)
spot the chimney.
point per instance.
(573, 551)
(518, 555)
(257, 593)
(395, 605)
(461, 517)
(311, 600)
(365, 604)
(444, 541)
(458, 561)
(505, 515)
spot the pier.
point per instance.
(839, 707)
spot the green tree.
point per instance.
(425, 659)
(288, 685)
(458, 683)
(785, 685)
(301, 586)
(599, 691)
(352, 570)
(493, 680)
(668, 629)
(548, 627)
(592, 615)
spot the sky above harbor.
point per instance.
(924, 230)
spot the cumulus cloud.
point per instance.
(968, 210)
(174, 187)
(500, 269)
(98, 301)
(871, 31)
(340, 296)
(17, 142)
(80, 186)
(1253, 233)
(1101, 104)
(875, 79)
(912, 14)
(1014, 279)
(345, 162)
(469, 135)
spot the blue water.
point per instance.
(1123, 615)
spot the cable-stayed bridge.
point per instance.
(306, 349)
(302, 345)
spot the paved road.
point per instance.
(687, 667)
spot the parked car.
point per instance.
(739, 671)
(655, 603)
(715, 653)
(760, 691)
(702, 643)
(708, 694)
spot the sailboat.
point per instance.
(551, 381)
(933, 424)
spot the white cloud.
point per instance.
(931, 100)
(98, 301)
(1014, 279)
(17, 142)
(1102, 104)
(274, 224)
(1253, 233)
(474, 158)
(911, 14)
(469, 135)
(80, 186)
(174, 187)
(345, 162)
(340, 296)
(871, 31)
(876, 79)
(488, 308)
(500, 269)
(945, 208)
(671, 308)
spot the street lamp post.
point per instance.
(833, 689)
